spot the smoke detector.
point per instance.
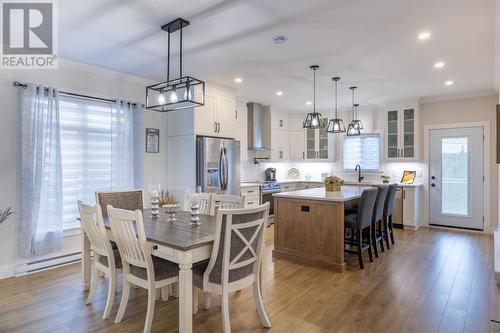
(280, 39)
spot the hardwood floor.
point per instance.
(431, 281)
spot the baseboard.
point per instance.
(7, 271)
(41, 265)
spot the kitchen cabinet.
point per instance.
(411, 207)
(240, 134)
(319, 145)
(217, 117)
(280, 120)
(297, 140)
(252, 196)
(402, 133)
(287, 187)
(280, 137)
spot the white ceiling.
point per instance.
(371, 44)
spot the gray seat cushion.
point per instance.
(198, 271)
(351, 221)
(164, 269)
(118, 260)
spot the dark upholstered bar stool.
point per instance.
(360, 224)
(388, 210)
(378, 217)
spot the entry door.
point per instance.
(456, 177)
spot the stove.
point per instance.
(270, 187)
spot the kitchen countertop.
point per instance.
(346, 182)
(345, 194)
(250, 184)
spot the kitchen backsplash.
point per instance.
(252, 172)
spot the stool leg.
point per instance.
(380, 236)
(370, 253)
(392, 230)
(374, 238)
(360, 248)
(386, 233)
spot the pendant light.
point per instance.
(352, 128)
(357, 122)
(175, 94)
(336, 125)
(314, 119)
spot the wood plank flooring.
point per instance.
(431, 281)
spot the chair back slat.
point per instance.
(128, 231)
(93, 225)
(229, 201)
(130, 200)
(366, 207)
(389, 201)
(207, 203)
(237, 250)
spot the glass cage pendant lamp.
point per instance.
(314, 119)
(357, 122)
(352, 128)
(336, 125)
(180, 93)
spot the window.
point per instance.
(85, 127)
(363, 150)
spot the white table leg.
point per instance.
(185, 298)
(85, 261)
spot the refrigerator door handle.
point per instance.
(226, 170)
(223, 169)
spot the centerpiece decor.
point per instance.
(385, 179)
(170, 204)
(333, 183)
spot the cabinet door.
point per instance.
(225, 116)
(311, 149)
(323, 142)
(279, 120)
(241, 135)
(205, 117)
(279, 144)
(392, 134)
(297, 123)
(408, 133)
(297, 152)
(285, 144)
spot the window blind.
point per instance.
(363, 150)
(85, 127)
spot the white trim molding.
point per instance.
(486, 125)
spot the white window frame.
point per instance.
(380, 135)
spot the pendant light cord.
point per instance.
(314, 91)
(168, 56)
(353, 109)
(336, 110)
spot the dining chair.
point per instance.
(130, 200)
(223, 201)
(236, 258)
(388, 211)
(360, 223)
(377, 221)
(140, 268)
(106, 260)
(207, 203)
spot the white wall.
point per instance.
(70, 76)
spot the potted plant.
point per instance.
(4, 215)
(385, 179)
(333, 183)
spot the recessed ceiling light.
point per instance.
(238, 80)
(279, 93)
(280, 39)
(309, 102)
(439, 64)
(424, 35)
(449, 83)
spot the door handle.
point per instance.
(224, 174)
(433, 185)
(433, 177)
(397, 153)
(235, 114)
(221, 181)
(402, 152)
(218, 124)
(215, 130)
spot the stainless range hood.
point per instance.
(259, 127)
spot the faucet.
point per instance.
(358, 168)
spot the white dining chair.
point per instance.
(223, 201)
(236, 258)
(207, 203)
(106, 260)
(140, 268)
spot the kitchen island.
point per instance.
(309, 226)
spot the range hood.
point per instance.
(259, 127)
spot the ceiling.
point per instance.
(370, 44)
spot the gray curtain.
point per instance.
(41, 226)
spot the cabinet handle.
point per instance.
(250, 191)
(155, 247)
(215, 127)
(281, 153)
(235, 114)
(404, 194)
(398, 152)
(281, 122)
(402, 152)
(218, 124)
(303, 155)
(250, 203)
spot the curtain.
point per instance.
(41, 226)
(127, 145)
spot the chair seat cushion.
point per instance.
(164, 269)
(118, 260)
(351, 221)
(198, 270)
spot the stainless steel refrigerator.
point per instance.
(218, 165)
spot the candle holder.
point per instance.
(195, 212)
(155, 206)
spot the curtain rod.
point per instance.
(18, 84)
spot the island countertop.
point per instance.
(345, 194)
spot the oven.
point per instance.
(266, 192)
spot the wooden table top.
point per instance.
(177, 234)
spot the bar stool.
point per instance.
(388, 210)
(378, 217)
(360, 224)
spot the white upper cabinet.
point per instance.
(280, 137)
(319, 145)
(401, 141)
(280, 120)
(218, 116)
(297, 138)
(297, 122)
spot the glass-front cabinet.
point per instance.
(319, 144)
(401, 137)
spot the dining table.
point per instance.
(177, 241)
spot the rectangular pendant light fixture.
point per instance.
(183, 92)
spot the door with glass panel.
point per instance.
(456, 177)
